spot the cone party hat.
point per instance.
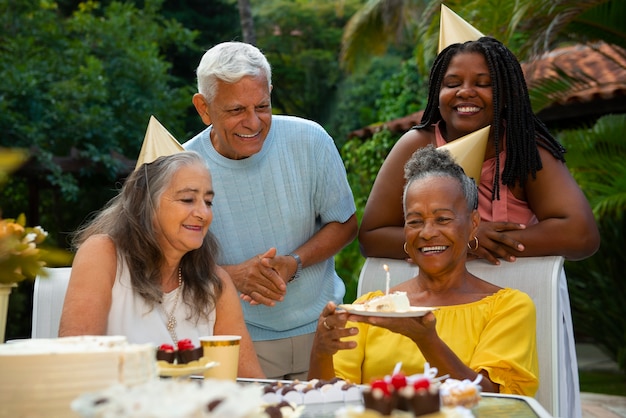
(157, 143)
(453, 29)
(469, 151)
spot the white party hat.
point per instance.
(453, 29)
(157, 143)
(469, 152)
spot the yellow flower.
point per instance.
(20, 258)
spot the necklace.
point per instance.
(171, 319)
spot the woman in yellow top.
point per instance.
(476, 328)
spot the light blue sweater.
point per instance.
(280, 197)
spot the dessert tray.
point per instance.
(166, 369)
(414, 311)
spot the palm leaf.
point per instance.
(597, 159)
(604, 21)
(373, 28)
(548, 91)
(555, 22)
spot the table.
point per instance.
(492, 405)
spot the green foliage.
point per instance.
(362, 160)
(596, 158)
(604, 20)
(403, 93)
(88, 82)
(213, 21)
(83, 85)
(357, 98)
(374, 27)
(609, 382)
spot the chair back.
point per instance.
(536, 276)
(48, 297)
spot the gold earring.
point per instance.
(475, 242)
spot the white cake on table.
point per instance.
(41, 377)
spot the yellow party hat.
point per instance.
(453, 29)
(469, 152)
(157, 143)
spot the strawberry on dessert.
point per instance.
(187, 352)
(183, 353)
(166, 352)
(418, 394)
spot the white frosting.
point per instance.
(41, 377)
(392, 302)
(308, 393)
(460, 392)
(171, 398)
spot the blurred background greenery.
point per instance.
(81, 79)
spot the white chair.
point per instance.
(536, 276)
(48, 297)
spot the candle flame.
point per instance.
(386, 267)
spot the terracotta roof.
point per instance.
(604, 67)
(399, 125)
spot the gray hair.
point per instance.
(230, 62)
(128, 219)
(431, 162)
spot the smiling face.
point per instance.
(184, 211)
(241, 115)
(438, 224)
(466, 95)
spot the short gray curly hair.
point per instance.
(431, 162)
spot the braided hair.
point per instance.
(511, 103)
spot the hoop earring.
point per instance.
(476, 247)
(405, 250)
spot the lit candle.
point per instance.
(386, 267)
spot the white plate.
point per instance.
(412, 312)
(179, 370)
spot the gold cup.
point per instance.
(223, 349)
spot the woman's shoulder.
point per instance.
(509, 296)
(417, 138)
(99, 242)
(408, 143)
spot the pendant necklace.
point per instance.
(171, 318)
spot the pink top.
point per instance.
(508, 208)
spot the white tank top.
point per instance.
(132, 317)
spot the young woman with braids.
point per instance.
(530, 205)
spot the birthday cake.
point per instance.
(41, 377)
(391, 302)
